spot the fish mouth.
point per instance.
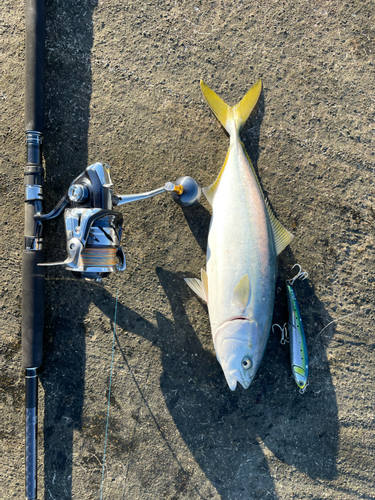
(232, 382)
(235, 376)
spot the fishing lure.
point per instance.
(294, 334)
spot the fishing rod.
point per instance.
(92, 225)
(33, 254)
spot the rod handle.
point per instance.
(32, 308)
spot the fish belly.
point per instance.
(240, 242)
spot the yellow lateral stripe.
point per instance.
(210, 191)
(252, 168)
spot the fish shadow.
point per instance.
(250, 134)
(198, 219)
(203, 409)
(238, 438)
(233, 435)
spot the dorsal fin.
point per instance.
(282, 237)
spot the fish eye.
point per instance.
(246, 363)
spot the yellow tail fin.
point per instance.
(237, 114)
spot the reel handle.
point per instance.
(185, 191)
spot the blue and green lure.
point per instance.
(295, 331)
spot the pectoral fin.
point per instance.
(200, 287)
(241, 293)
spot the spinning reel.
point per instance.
(93, 229)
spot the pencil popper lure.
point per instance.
(294, 333)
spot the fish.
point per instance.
(244, 240)
(297, 341)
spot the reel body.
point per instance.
(93, 229)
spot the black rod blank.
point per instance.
(33, 254)
(35, 12)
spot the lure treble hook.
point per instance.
(284, 333)
(302, 275)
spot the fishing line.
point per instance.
(343, 317)
(186, 473)
(109, 392)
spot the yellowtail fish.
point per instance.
(243, 242)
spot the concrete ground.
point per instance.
(122, 87)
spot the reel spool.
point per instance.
(93, 229)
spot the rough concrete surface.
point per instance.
(122, 87)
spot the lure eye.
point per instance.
(246, 363)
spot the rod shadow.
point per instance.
(69, 40)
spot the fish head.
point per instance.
(236, 346)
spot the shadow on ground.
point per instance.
(69, 42)
(230, 434)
